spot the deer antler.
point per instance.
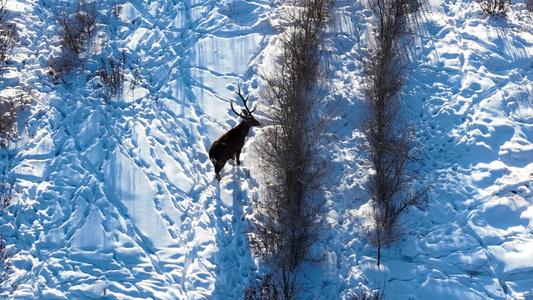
(244, 100)
(238, 114)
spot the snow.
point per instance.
(117, 198)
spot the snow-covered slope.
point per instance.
(118, 199)
(469, 96)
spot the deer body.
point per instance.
(229, 145)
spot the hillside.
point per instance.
(114, 195)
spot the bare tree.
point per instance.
(390, 139)
(288, 213)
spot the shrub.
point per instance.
(8, 115)
(117, 9)
(529, 5)
(6, 193)
(495, 7)
(63, 63)
(263, 289)
(7, 40)
(75, 29)
(87, 15)
(10, 105)
(5, 265)
(137, 78)
(112, 73)
(7, 34)
(71, 33)
(368, 295)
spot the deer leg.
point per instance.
(237, 154)
(219, 167)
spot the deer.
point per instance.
(229, 145)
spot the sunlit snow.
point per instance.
(116, 197)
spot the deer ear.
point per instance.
(245, 113)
